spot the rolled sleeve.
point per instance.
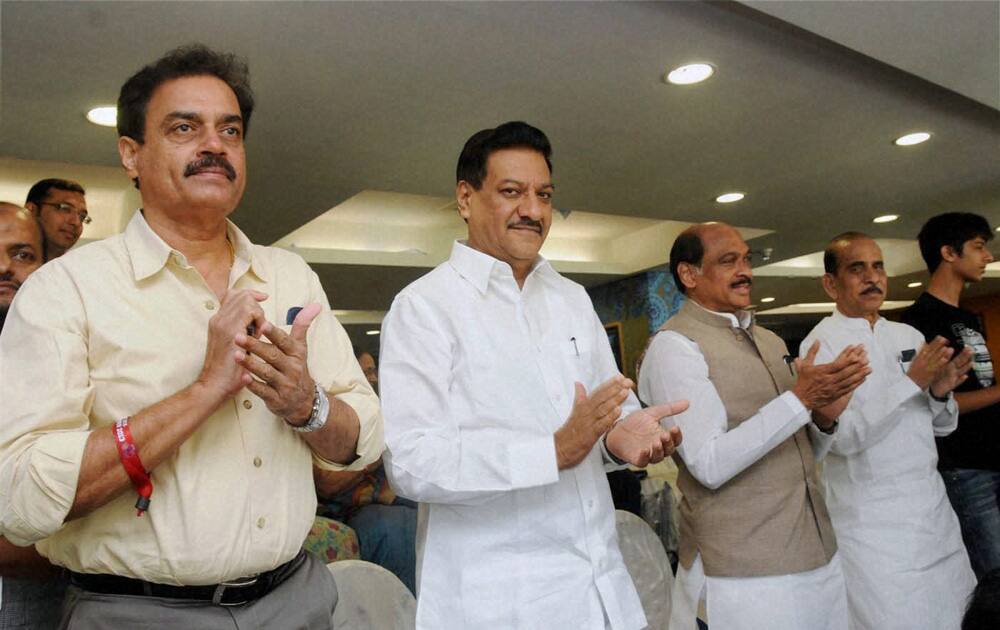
(44, 386)
(334, 367)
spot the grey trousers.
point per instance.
(304, 601)
(32, 605)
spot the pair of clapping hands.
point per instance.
(826, 389)
(638, 439)
(276, 370)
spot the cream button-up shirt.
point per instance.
(116, 326)
(476, 376)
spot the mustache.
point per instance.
(536, 225)
(742, 281)
(872, 289)
(208, 162)
(9, 277)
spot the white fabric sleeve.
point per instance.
(869, 415)
(430, 457)
(674, 368)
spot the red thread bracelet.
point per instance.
(129, 454)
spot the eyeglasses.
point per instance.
(65, 208)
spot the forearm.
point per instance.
(976, 400)
(337, 441)
(23, 562)
(157, 431)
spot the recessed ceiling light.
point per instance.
(767, 299)
(911, 139)
(730, 197)
(372, 332)
(691, 73)
(914, 284)
(885, 218)
(106, 116)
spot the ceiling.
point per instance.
(373, 101)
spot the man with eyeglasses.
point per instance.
(61, 209)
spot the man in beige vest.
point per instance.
(757, 547)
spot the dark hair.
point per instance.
(953, 229)
(983, 612)
(186, 61)
(687, 248)
(830, 261)
(41, 189)
(477, 150)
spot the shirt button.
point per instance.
(209, 305)
(590, 504)
(257, 462)
(260, 523)
(247, 404)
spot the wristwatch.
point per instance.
(320, 411)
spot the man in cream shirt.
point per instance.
(756, 543)
(177, 325)
(900, 543)
(500, 391)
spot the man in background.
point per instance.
(881, 472)
(954, 246)
(61, 210)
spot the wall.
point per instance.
(641, 303)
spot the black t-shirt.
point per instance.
(976, 441)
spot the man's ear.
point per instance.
(128, 151)
(688, 274)
(463, 194)
(948, 254)
(830, 285)
(34, 208)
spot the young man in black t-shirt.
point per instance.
(954, 247)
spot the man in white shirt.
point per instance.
(500, 392)
(757, 547)
(900, 543)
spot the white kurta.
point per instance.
(674, 368)
(476, 377)
(900, 542)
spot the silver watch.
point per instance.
(320, 411)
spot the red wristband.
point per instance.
(129, 455)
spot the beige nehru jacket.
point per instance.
(771, 519)
(115, 326)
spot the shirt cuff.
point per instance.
(533, 462)
(794, 404)
(371, 441)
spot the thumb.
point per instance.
(668, 409)
(811, 354)
(305, 317)
(579, 394)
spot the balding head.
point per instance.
(20, 251)
(710, 263)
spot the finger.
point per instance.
(610, 389)
(579, 394)
(261, 369)
(267, 352)
(263, 391)
(676, 436)
(811, 354)
(300, 326)
(668, 409)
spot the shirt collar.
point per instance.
(739, 319)
(149, 253)
(858, 323)
(478, 267)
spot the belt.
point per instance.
(232, 593)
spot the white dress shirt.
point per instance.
(900, 542)
(476, 376)
(674, 367)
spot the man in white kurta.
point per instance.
(480, 361)
(900, 543)
(725, 464)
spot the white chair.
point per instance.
(648, 565)
(370, 598)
